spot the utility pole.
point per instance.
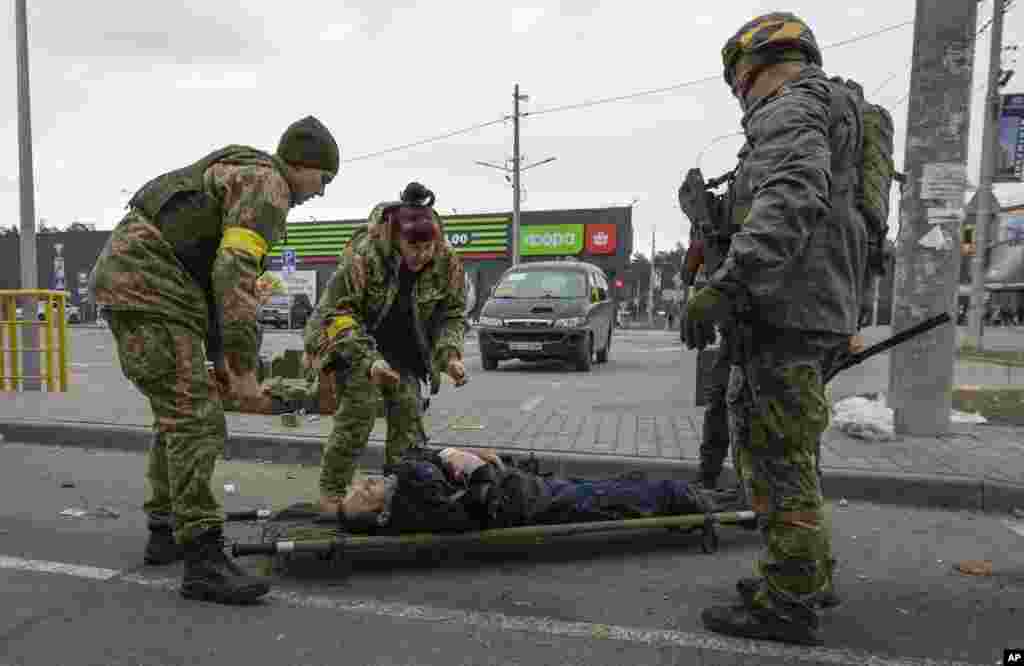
(515, 175)
(650, 290)
(989, 146)
(928, 254)
(516, 170)
(29, 271)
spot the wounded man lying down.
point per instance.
(456, 490)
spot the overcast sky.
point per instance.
(122, 91)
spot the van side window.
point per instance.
(601, 285)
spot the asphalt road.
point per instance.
(649, 372)
(75, 591)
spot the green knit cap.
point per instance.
(308, 143)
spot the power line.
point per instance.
(619, 98)
(439, 137)
(604, 100)
(860, 38)
(694, 82)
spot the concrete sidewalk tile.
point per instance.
(686, 448)
(587, 435)
(529, 426)
(626, 443)
(607, 429)
(665, 431)
(646, 436)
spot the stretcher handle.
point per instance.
(247, 549)
(243, 516)
(320, 546)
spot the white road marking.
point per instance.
(39, 566)
(501, 622)
(532, 403)
(1015, 526)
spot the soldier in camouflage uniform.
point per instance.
(177, 283)
(714, 244)
(792, 282)
(392, 317)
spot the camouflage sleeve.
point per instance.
(314, 326)
(452, 333)
(789, 164)
(255, 202)
(342, 339)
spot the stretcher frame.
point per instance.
(335, 549)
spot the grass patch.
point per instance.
(999, 404)
(1014, 359)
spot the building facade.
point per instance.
(602, 236)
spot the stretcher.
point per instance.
(302, 530)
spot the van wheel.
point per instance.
(602, 354)
(584, 359)
(489, 362)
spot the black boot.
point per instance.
(210, 575)
(763, 624)
(747, 587)
(161, 547)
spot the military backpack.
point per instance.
(876, 172)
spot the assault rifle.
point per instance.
(888, 343)
(698, 203)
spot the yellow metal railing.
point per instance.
(55, 328)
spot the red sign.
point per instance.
(619, 283)
(600, 239)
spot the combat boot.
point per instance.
(763, 624)
(824, 600)
(210, 575)
(162, 548)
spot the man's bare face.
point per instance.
(416, 255)
(740, 84)
(309, 183)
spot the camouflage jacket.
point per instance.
(138, 269)
(364, 288)
(801, 248)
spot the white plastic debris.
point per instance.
(864, 418)
(843, 502)
(872, 419)
(230, 488)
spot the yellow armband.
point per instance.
(247, 240)
(340, 325)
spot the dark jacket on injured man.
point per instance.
(451, 490)
(372, 294)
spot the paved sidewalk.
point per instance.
(974, 467)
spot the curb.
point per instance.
(949, 492)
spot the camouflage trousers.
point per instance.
(167, 363)
(775, 438)
(354, 420)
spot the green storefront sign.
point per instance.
(545, 239)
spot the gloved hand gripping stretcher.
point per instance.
(447, 496)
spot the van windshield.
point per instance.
(542, 284)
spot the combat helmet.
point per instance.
(765, 37)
